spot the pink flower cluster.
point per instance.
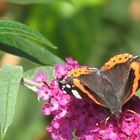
(82, 117)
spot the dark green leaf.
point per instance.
(10, 78)
(28, 49)
(14, 28)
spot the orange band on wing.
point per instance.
(77, 83)
(136, 67)
(78, 71)
(118, 59)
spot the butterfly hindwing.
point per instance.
(134, 78)
(125, 78)
(102, 89)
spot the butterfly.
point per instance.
(111, 86)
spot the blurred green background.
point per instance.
(90, 31)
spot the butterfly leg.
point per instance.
(105, 121)
(132, 111)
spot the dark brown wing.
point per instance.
(133, 83)
(92, 85)
(124, 78)
(87, 83)
(119, 77)
(102, 90)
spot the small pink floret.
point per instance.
(60, 71)
(40, 77)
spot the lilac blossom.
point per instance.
(82, 117)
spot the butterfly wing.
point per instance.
(84, 83)
(101, 88)
(133, 82)
(92, 85)
(124, 76)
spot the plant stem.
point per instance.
(31, 84)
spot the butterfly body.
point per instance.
(111, 86)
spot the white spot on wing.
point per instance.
(63, 86)
(76, 94)
(68, 86)
(64, 91)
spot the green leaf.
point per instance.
(10, 78)
(35, 123)
(14, 28)
(32, 1)
(20, 40)
(23, 47)
(30, 74)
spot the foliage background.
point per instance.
(90, 31)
